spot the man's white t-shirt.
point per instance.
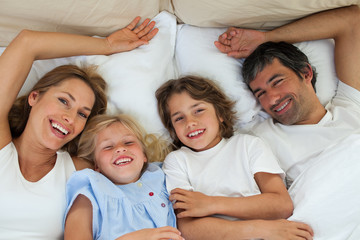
(297, 145)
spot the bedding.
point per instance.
(184, 45)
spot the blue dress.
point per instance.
(120, 209)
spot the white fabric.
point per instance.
(134, 76)
(225, 170)
(195, 53)
(32, 210)
(326, 195)
(296, 145)
(323, 160)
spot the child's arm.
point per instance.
(153, 234)
(78, 224)
(273, 203)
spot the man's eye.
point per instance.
(260, 94)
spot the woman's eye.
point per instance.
(108, 147)
(129, 143)
(63, 101)
(83, 115)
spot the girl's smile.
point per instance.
(195, 122)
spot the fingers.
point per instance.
(143, 25)
(168, 232)
(224, 48)
(133, 23)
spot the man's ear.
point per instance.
(308, 74)
(33, 98)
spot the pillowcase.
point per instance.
(260, 14)
(132, 77)
(196, 54)
(90, 17)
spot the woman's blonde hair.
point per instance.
(199, 89)
(20, 111)
(155, 148)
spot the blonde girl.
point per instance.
(125, 197)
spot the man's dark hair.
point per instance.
(289, 55)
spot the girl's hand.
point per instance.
(191, 204)
(131, 36)
(153, 234)
(239, 43)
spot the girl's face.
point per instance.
(59, 114)
(195, 122)
(119, 154)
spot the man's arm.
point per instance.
(342, 24)
(212, 228)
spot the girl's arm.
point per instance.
(153, 234)
(17, 59)
(273, 203)
(78, 223)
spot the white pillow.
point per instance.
(196, 54)
(132, 76)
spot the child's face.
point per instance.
(119, 154)
(195, 121)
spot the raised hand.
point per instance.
(191, 204)
(131, 36)
(153, 234)
(238, 42)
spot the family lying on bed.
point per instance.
(214, 176)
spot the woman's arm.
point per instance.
(17, 59)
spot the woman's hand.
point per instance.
(239, 43)
(131, 37)
(153, 234)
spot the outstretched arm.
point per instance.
(212, 228)
(17, 59)
(342, 24)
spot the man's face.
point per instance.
(284, 95)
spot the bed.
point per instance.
(184, 45)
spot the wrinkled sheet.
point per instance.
(327, 195)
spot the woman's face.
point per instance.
(119, 154)
(59, 114)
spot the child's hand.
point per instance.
(284, 230)
(191, 204)
(131, 36)
(153, 234)
(239, 43)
